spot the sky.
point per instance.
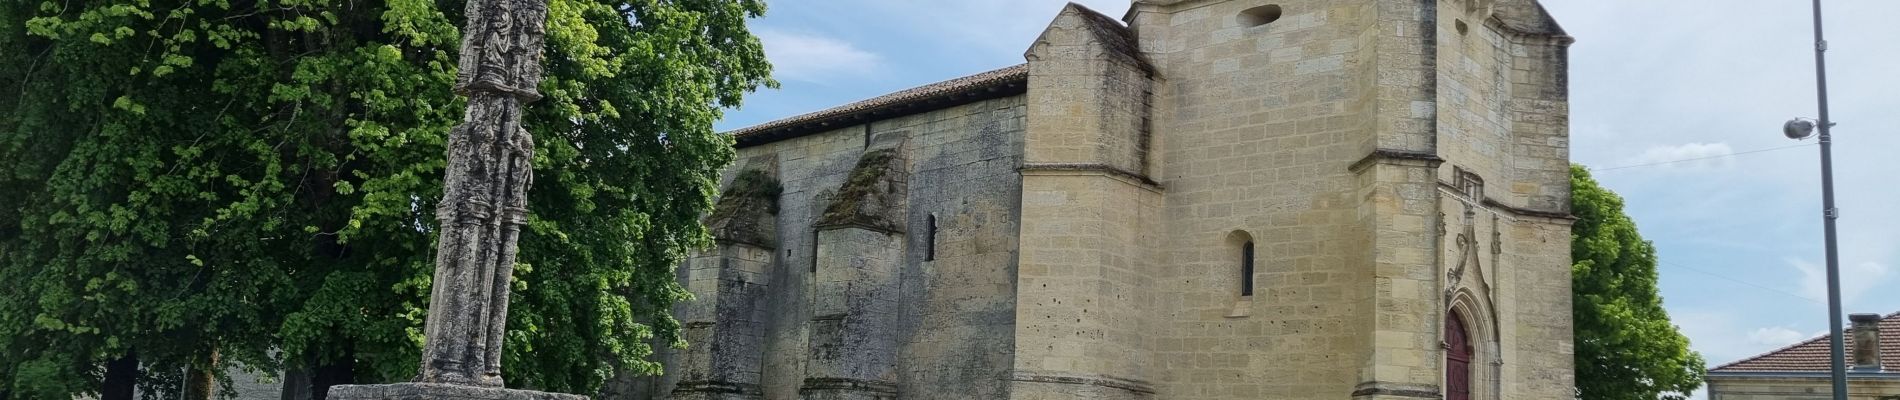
(1738, 229)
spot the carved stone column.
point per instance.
(484, 204)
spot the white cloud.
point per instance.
(1856, 278)
(1775, 336)
(814, 58)
(1687, 155)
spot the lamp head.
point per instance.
(1798, 129)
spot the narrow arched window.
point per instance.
(1246, 269)
(930, 238)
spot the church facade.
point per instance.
(1204, 199)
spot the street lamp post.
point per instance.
(1801, 129)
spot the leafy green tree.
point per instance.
(254, 181)
(1626, 347)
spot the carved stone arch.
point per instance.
(1479, 319)
(1478, 312)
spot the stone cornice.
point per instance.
(1130, 385)
(1496, 23)
(1390, 156)
(1104, 169)
(1495, 205)
(848, 385)
(721, 387)
(1389, 389)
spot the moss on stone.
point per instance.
(744, 208)
(862, 189)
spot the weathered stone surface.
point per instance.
(1076, 241)
(746, 209)
(439, 391)
(723, 324)
(951, 313)
(873, 196)
(484, 199)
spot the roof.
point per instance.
(1812, 355)
(998, 83)
(1115, 36)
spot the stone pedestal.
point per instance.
(438, 391)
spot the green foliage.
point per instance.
(237, 176)
(1626, 347)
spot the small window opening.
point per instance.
(1258, 16)
(1469, 183)
(1462, 27)
(1246, 269)
(930, 239)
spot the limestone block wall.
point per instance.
(853, 336)
(1502, 117)
(1091, 217)
(1473, 70)
(1333, 137)
(953, 321)
(724, 322)
(1534, 309)
(1257, 128)
(1800, 388)
(1086, 315)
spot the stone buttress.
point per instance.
(855, 298)
(723, 324)
(1089, 216)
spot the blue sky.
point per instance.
(1652, 81)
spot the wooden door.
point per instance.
(1457, 358)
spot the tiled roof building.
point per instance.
(1803, 370)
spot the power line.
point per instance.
(1745, 283)
(1699, 158)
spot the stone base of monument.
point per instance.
(439, 391)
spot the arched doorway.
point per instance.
(1457, 358)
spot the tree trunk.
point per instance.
(201, 383)
(340, 370)
(122, 376)
(296, 381)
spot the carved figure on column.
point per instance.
(484, 200)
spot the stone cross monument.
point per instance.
(484, 203)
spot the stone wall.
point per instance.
(1091, 233)
(1091, 218)
(1800, 388)
(951, 308)
(1334, 137)
(1257, 129)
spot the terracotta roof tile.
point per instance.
(997, 83)
(1013, 80)
(1812, 355)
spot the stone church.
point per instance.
(1203, 199)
